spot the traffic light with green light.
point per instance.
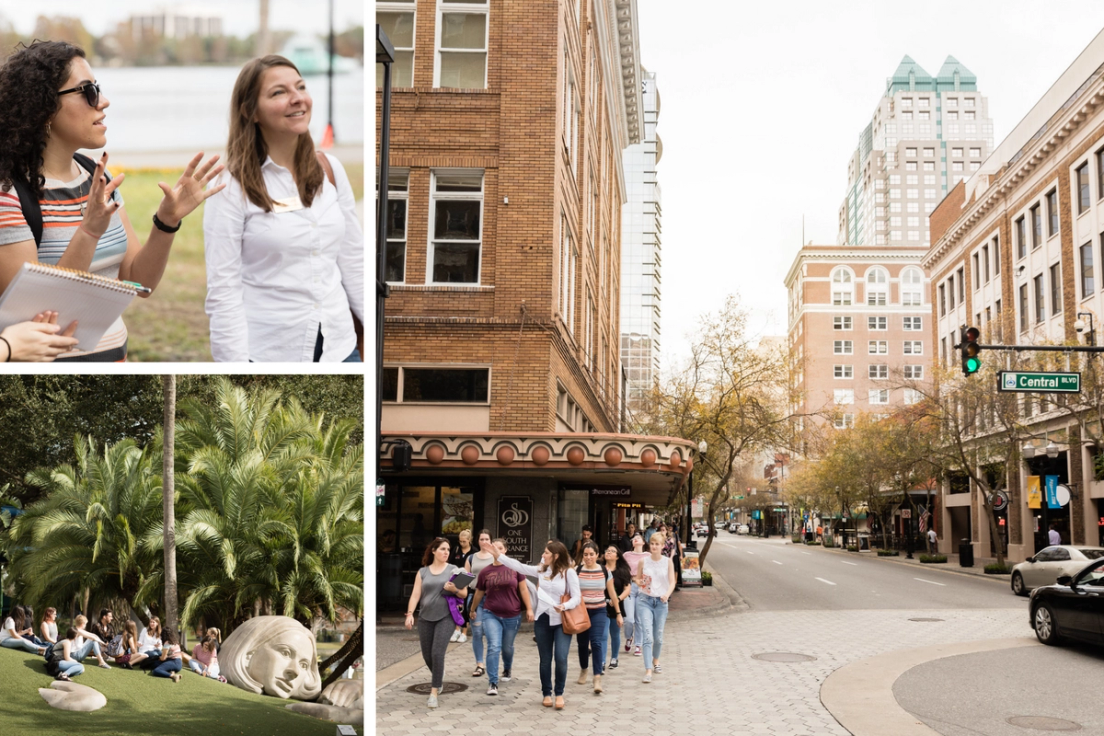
(971, 363)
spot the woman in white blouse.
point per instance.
(556, 576)
(284, 249)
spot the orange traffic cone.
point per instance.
(327, 137)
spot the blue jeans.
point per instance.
(651, 616)
(593, 640)
(166, 668)
(19, 642)
(196, 666)
(615, 637)
(477, 635)
(500, 633)
(87, 648)
(552, 641)
(70, 667)
(628, 608)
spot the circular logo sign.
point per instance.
(998, 500)
(514, 517)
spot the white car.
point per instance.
(743, 529)
(1045, 567)
(719, 525)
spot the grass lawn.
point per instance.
(171, 325)
(141, 705)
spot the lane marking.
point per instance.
(854, 564)
(805, 553)
(931, 582)
(749, 552)
(826, 581)
(776, 562)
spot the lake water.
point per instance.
(188, 108)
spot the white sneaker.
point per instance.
(455, 635)
(463, 638)
(636, 651)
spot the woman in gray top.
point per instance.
(435, 624)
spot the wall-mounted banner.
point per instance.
(1034, 495)
(1051, 482)
(515, 524)
(596, 490)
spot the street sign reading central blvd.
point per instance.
(1066, 383)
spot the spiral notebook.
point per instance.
(93, 301)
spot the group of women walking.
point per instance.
(283, 244)
(623, 593)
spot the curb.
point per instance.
(860, 695)
(940, 567)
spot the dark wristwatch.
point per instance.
(163, 227)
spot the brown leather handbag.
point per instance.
(575, 620)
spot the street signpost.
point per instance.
(1039, 382)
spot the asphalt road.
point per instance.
(774, 576)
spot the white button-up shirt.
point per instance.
(274, 279)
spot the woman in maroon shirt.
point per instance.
(502, 592)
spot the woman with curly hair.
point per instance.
(50, 108)
(284, 249)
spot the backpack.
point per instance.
(29, 204)
(114, 646)
(55, 653)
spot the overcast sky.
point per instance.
(762, 106)
(239, 16)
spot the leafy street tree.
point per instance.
(732, 393)
(87, 539)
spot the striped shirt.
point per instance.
(592, 585)
(61, 204)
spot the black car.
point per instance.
(1071, 609)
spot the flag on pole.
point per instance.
(924, 522)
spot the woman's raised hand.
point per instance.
(99, 208)
(190, 190)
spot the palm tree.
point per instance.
(87, 538)
(168, 499)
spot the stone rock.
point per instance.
(332, 713)
(72, 696)
(274, 655)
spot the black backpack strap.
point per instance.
(88, 164)
(32, 211)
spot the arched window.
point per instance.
(877, 287)
(843, 288)
(912, 287)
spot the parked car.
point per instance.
(719, 525)
(1072, 608)
(1049, 563)
(703, 531)
(734, 528)
(743, 529)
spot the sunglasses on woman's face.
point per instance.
(90, 90)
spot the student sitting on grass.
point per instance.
(131, 655)
(87, 642)
(204, 659)
(60, 663)
(48, 627)
(171, 662)
(150, 638)
(11, 637)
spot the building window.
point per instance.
(842, 287)
(462, 44)
(942, 300)
(1082, 180)
(398, 185)
(878, 347)
(877, 287)
(1056, 289)
(962, 285)
(1023, 307)
(914, 324)
(398, 23)
(569, 258)
(1021, 238)
(912, 283)
(842, 371)
(570, 123)
(996, 256)
(842, 347)
(1088, 283)
(1036, 228)
(878, 396)
(977, 272)
(1040, 300)
(841, 323)
(914, 372)
(929, 152)
(843, 421)
(1052, 212)
(950, 292)
(434, 385)
(912, 396)
(844, 396)
(877, 372)
(1100, 173)
(985, 261)
(914, 347)
(876, 323)
(457, 227)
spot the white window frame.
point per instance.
(434, 197)
(404, 195)
(877, 324)
(913, 324)
(843, 371)
(844, 421)
(877, 347)
(843, 324)
(877, 396)
(400, 383)
(877, 371)
(843, 347)
(914, 347)
(914, 372)
(843, 396)
(912, 287)
(444, 6)
(843, 287)
(404, 8)
(569, 257)
(877, 287)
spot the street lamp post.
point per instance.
(385, 54)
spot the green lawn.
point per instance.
(171, 325)
(140, 705)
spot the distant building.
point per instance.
(179, 23)
(640, 254)
(927, 133)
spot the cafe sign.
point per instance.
(596, 490)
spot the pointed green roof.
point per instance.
(909, 76)
(951, 68)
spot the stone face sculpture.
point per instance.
(72, 696)
(275, 655)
